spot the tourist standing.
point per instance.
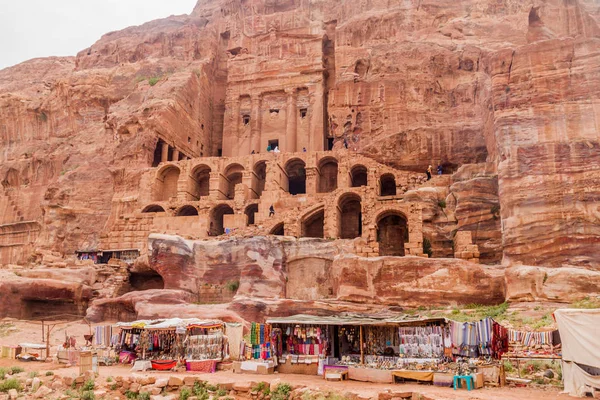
(429, 172)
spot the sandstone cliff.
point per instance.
(504, 93)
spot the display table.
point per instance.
(298, 368)
(370, 375)
(335, 372)
(142, 365)
(254, 367)
(206, 366)
(421, 376)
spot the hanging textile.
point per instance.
(499, 340)
(421, 341)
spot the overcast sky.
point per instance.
(41, 28)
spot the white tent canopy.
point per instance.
(580, 337)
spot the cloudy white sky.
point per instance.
(41, 28)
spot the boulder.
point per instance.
(42, 392)
(175, 381)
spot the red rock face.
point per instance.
(505, 94)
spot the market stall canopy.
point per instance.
(33, 346)
(579, 333)
(171, 323)
(355, 319)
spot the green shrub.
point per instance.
(262, 387)
(508, 367)
(212, 388)
(427, 247)
(154, 80)
(113, 386)
(49, 373)
(131, 395)
(281, 392)
(87, 395)
(3, 372)
(199, 390)
(233, 285)
(88, 385)
(33, 374)
(185, 394)
(442, 204)
(8, 384)
(109, 379)
(221, 392)
(144, 396)
(16, 370)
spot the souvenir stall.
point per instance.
(258, 355)
(161, 344)
(205, 345)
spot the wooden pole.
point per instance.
(48, 342)
(42, 331)
(362, 350)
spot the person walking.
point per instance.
(271, 211)
(429, 172)
(439, 169)
(269, 148)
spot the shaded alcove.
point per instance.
(259, 178)
(216, 227)
(278, 230)
(52, 309)
(146, 280)
(200, 181)
(328, 171)
(166, 187)
(387, 185)
(233, 174)
(186, 211)
(153, 208)
(358, 175)
(392, 233)
(313, 224)
(296, 172)
(250, 212)
(349, 216)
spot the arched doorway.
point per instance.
(392, 233)
(259, 178)
(278, 230)
(216, 226)
(146, 280)
(186, 211)
(167, 183)
(233, 174)
(250, 212)
(328, 171)
(387, 185)
(359, 175)
(153, 208)
(349, 216)
(313, 224)
(296, 172)
(200, 181)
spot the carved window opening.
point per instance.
(246, 119)
(200, 182)
(250, 212)
(359, 176)
(350, 216)
(328, 171)
(392, 233)
(387, 185)
(187, 211)
(278, 230)
(296, 173)
(303, 113)
(273, 111)
(313, 225)
(217, 227)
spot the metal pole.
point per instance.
(43, 331)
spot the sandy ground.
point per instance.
(25, 331)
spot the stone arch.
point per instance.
(167, 179)
(278, 229)
(313, 223)
(200, 181)
(233, 174)
(328, 172)
(259, 177)
(153, 208)
(250, 212)
(186, 211)
(392, 232)
(387, 185)
(349, 208)
(216, 225)
(295, 170)
(358, 175)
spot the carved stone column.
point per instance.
(291, 122)
(255, 125)
(164, 152)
